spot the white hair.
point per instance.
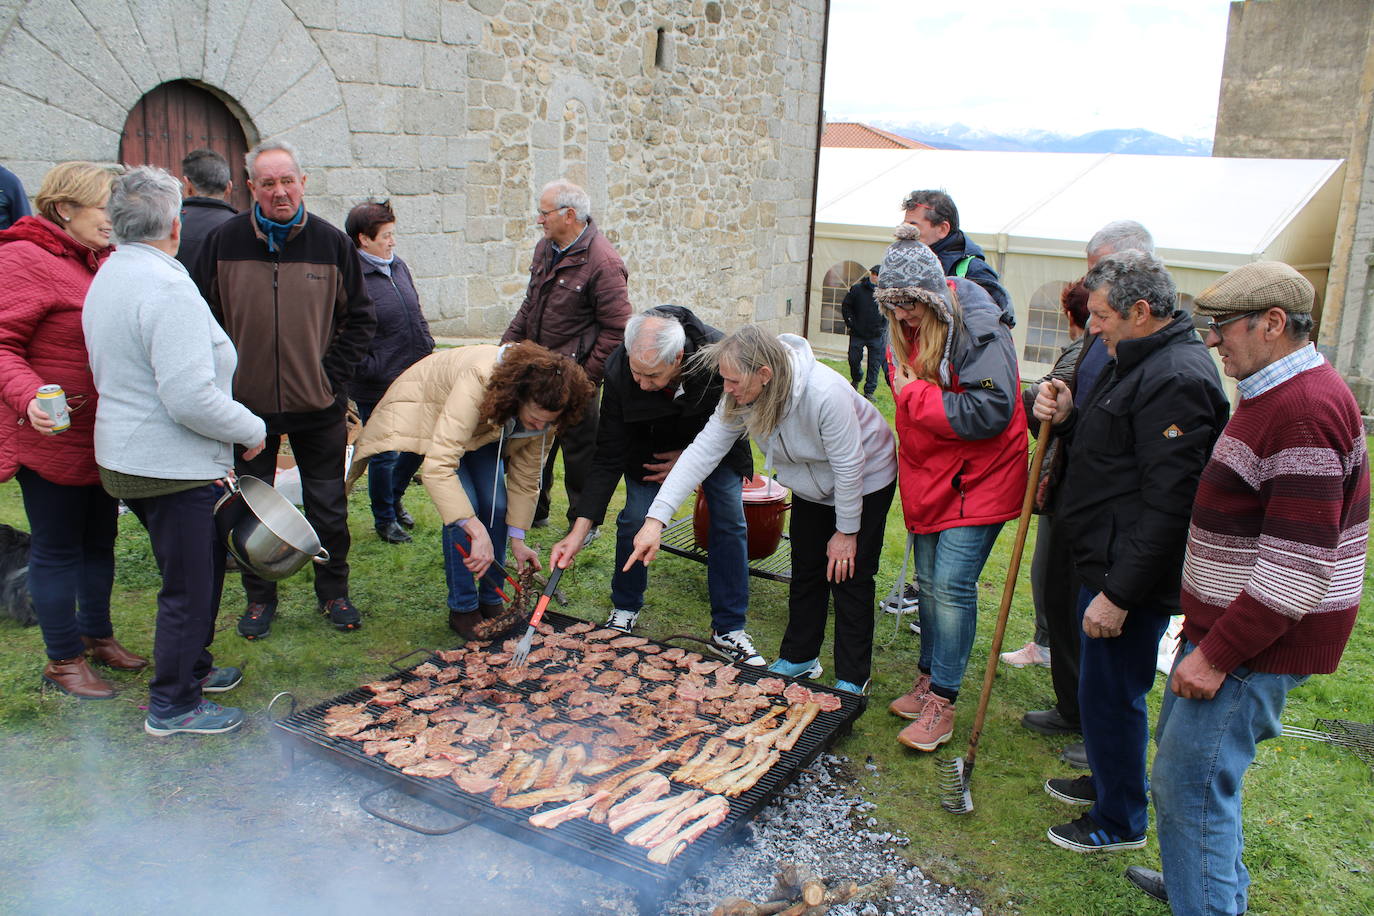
(144, 204)
(567, 194)
(267, 146)
(663, 334)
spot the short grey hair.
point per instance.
(567, 194)
(143, 205)
(1130, 276)
(1298, 326)
(1120, 235)
(267, 146)
(663, 334)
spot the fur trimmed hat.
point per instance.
(910, 270)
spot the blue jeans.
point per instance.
(1114, 676)
(388, 474)
(1205, 747)
(947, 567)
(71, 561)
(727, 554)
(484, 480)
(877, 361)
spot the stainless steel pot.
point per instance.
(264, 532)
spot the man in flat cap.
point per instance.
(1271, 578)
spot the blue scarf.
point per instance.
(383, 266)
(276, 232)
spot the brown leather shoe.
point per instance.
(74, 676)
(108, 651)
(491, 611)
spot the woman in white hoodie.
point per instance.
(836, 453)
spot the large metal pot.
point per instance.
(264, 532)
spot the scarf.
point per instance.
(276, 232)
(383, 267)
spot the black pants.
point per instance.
(1055, 584)
(317, 440)
(578, 443)
(181, 528)
(808, 597)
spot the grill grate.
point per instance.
(679, 540)
(580, 840)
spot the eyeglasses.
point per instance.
(1215, 326)
(553, 210)
(908, 305)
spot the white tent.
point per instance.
(1033, 213)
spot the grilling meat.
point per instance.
(555, 816)
(708, 814)
(570, 792)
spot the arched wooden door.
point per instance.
(174, 119)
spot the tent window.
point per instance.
(1047, 331)
(837, 281)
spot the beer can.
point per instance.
(54, 402)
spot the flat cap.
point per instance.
(1256, 287)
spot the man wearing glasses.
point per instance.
(576, 304)
(1137, 443)
(1271, 579)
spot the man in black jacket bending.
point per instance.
(653, 405)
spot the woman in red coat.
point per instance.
(48, 262)
(961, 447)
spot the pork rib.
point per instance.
(671, 847)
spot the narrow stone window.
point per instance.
(661, 51)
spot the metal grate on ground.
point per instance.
(679, 540)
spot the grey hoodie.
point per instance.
(831, 447)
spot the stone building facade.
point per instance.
(1298, 83)
(692, 124)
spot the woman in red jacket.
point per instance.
(961, 445)
(48, 262)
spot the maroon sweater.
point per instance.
(1276, 547)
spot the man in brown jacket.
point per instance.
(576, 304)
(288, 288)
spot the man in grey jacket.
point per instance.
(164, 435)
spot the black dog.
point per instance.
(14, 575)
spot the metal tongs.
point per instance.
(522, 651)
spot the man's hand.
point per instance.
(646, 544)
(1194, 678)
(526, 557)
(900, 378)
(1053, 401)
(253, 451)
(39, 419)
(480, 552)
(840, 556)
(658, 470)
(1103, 619)
(563, 553)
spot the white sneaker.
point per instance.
(906, 605)
(622, 620)
(738, 644)
(1031, 653)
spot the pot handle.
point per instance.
(230, 489)
(322, 557)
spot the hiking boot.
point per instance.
(256, 622)
(75, 677)
(811, 669)
(1076, 756)
(1083, 835)
(1049, 722)
(909, 704)
(466, 624)
(739, 646)
(1076, 791)
(906, 604)
(404, 518)
(1032, 653)
(491, 611)
(1149, 881)
(108, 651)
(391, 532)
(220, 680)
(624, 621)
(933, 727)
(209, 718)
(341, 613)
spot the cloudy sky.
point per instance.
(1070, 66)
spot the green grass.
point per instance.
(1309, 839)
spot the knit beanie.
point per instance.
(910, 271)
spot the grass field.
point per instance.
(1310, 812)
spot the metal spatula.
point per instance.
(522, 651)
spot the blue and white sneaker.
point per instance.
(622, 620)
(811, 669)
(220, 680)
(851, 687)
(1083, 835)
(208, 718)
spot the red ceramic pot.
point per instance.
(765, 515)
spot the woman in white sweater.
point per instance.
(164, 433)
(836, 453)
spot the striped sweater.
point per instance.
(1276, 546)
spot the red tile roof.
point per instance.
(855, 135)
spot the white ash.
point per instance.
(821, 821)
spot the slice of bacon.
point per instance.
(555, 816)
(713, 811)
(569, 792)
(642, 834)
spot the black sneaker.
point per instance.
(256, 622)
(206, 719)
(404, 518)
(1077, 791)
(1149, 881)
(1083, 835)
(220, 680)
(341, 613)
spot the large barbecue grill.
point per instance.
(591, 845)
